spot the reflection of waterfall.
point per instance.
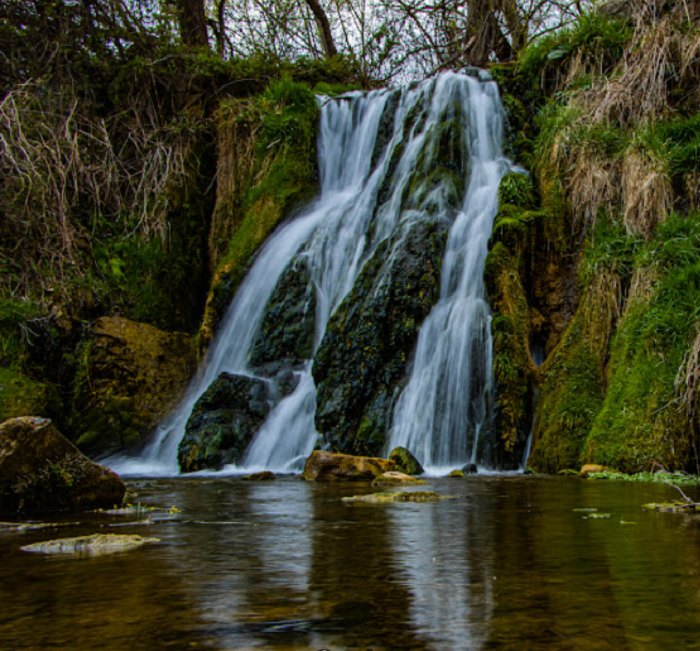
(380, 156)
(439, 557)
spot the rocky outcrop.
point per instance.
(363, 357)
(42, 471)
(130, 375)
(330, 466)
(223, 422)
(286, 336)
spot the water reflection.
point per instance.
(443, 558)
(508, 564)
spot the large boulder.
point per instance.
(223, 422)
(331, 466)
(42, 471)
(129, 376)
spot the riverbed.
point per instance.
(509, 562)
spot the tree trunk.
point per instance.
(324, 28)
(193, 22)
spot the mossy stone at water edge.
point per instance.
(42, 472)
(405, 461)
(129, 376)
(95, 545)
(223, 422)
(395, 497)
(331, 466)
(363, 357)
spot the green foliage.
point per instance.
(611, 247)
(676, 141)
(660, 477)
(593, 36)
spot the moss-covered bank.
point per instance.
(600, 272)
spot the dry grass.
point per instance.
(647, 193)
(236, 137)
(688, 381)
(593, 184)
(666, 54)
(65, 179)
(642, 284)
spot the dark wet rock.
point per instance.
(95, 545)
(41, 471)
(129, 376)
(470, 469)
(363, 358)
(264, 475)
(330, 466)
(405, 461)
(223, 422)
(287, 330)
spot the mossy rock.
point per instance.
(405, 461)
(331, 466)
(223, 422)
(21, 395)
(364, 354)
(129, 376)
(41, 471)
(99, 544)
(399, 497)
(287, 330)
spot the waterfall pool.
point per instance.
(511, 562)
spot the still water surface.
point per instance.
(507, 564)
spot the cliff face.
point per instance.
(600, 273)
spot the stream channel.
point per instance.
(509, 563)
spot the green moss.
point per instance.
(641, 423)
(573, 385)
(282, 177)
(21, 395)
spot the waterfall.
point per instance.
(445, 407)
(375, 153)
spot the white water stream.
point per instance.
(445, 404)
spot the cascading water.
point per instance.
(376, 152)
(445, 406)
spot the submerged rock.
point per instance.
(223, 422)
(264, 475)
(42, 471)
(331, 466)
(405, 461)
(395, 497)
(95, 545)
(130, 375)
(393, 478)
